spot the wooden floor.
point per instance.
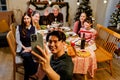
(6, 69)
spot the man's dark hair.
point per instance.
(59, 34)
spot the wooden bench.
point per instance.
(106, 41)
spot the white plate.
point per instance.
(66, 28)
(42, 31)
(71, 33)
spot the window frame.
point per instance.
(3, 6)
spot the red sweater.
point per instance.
(89, 34)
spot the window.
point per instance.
(3, 5)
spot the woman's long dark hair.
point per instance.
(23, 25)
(79, 23)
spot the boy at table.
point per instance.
(90, 33)
(59, 66)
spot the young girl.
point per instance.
(90, 33)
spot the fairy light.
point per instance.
(78, 3)
(105, 1)
(49, 2)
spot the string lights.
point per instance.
(49, 2)
(78, 2)
(105, 1)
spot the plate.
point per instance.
(42, 31)
(92, 47)
(43, 27)
(65, 28)
(83, 53)
(71, 33)
(77, 41)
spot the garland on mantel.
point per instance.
(37, 7)
(46, 5)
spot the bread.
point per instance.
(71, 50)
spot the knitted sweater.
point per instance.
(89, 34)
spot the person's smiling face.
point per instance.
(55, 45)
(27, 20)
(55, 12)
(87, 25)
(82, 17)
(36, 18)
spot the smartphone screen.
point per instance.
(37, 39)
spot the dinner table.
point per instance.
(85, 64)
(84, 60)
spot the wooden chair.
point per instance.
(17, 60)
(13, 28)
(107, 41)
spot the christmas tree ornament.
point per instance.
(118, 26)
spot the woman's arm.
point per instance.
(94, 34)
(75, 27)
(19, 43)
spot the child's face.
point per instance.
(87, 25)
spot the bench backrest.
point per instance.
(107, 39)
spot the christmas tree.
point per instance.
(83, 7)
(115, 17)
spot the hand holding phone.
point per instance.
(37, 39)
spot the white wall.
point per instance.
(100, 12)
(17, 4)
(72, 11)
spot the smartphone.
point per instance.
(37, 39)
